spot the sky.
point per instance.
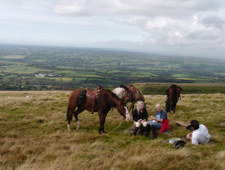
(193, 28)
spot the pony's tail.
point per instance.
(174, 91)
(68, 114)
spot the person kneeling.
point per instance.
(159, 122)
(200, 133)
(140, 117)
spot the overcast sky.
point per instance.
(172, 27)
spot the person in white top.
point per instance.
(200, 133)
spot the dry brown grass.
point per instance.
(34, 136)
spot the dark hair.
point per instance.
(195, 124)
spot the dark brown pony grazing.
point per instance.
(103, 103)
(173, 94)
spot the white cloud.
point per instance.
(175, 21)
(175, 8)
(175, 24)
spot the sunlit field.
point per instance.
(34, 135)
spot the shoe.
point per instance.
(153, 137)
(154, 133)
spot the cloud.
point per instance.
(194, 30)
(214, 21)
(149, 8)
(175, 24)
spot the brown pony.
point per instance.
(137, 96)
(173, 94)
(123, 93)
(103, 103)
(132, 95)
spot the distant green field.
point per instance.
(182, 75)
(186, 78)
(148, 88)
(14, 57)
(66, 79)
(72, 67)
(19, 68)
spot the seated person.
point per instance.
(140, 117)
(159, 122)
(200, 133)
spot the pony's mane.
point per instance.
(125, 87)
(138, 91)
(113, 94)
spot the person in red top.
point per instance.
(160, 121)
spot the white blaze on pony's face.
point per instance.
(123, 110)
(127, 114)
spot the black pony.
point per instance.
(173, 94)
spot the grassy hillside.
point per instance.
(34, 135)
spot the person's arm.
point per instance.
(194, 140)
(135, 117)
(159, 120)
(162, 117)
(145, 114)
(152, 118)
(188, 137)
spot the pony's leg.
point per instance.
(168, 106)
(174, 106)
(171, 106)
(132, 107)
(102, 117)
(78, 111)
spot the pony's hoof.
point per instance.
(103, 132)
(78, 127)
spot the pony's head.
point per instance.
(128, 97)
(122, 109)
(116, 102)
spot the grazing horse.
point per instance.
(173, 94)
(133, 95)
(103, 103)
